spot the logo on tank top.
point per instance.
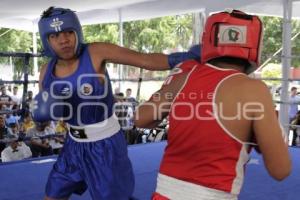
(45, 96)
(65, 91)
(86, 89)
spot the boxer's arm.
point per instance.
(150, 61)
(268, 133)
(152, 112)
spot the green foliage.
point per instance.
(296, 43)
(158, 35)
(101, 32)
(273, 39)
(153, 35)
(15, 41)
(272, 71)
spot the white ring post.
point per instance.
(35, 59)
(121, 44)
(286, 62)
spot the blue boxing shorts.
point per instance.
(102, 166)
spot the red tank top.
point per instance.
(200, 150)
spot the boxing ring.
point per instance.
(26, 179)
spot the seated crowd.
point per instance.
(26, 139)
(21, 137)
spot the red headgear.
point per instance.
(233, 34)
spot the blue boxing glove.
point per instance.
(192, 54)
(46, 108)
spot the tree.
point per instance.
(273, 39)
(158, 35)
(296, 43)
(101, 32)
(153, 35)
(272, 71)
(15, 41)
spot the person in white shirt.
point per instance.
(15, 151)
(16, 98)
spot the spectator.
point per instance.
(5, 100)
(16, 150)
(29, 99)
(296, 130)
(57, 141)
(14, 127)
(116, 90)
(9, 89)
(123, 111)
(27, 122)
(294, 101)
(61, 127)
(40, 145)
(16, 99)
(131, 99)
(5, 133)
(11, 119)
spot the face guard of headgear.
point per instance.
(55, 20)
(233, 34)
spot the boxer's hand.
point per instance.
(46, 108)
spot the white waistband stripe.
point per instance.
(98, 131)
(176, 189)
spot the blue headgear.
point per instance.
(55, 20)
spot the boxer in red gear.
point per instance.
(216, 112)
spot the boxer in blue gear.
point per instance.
(94, 156)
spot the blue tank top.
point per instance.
(89, 100)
